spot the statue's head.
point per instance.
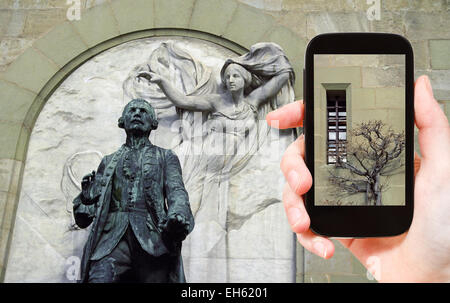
(138, 116)
(235, 77)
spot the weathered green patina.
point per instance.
(138, 207)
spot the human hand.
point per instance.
(422, 254)
(86, 184)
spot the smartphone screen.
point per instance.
(359, 129)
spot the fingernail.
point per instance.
(275, 123)
(295, 216)
(428, 85)
(293, 179)
(320, 249)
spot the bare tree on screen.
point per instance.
(373, 151)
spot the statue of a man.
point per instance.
(139, 208)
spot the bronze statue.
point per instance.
(139, 207)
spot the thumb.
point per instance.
(434, 130)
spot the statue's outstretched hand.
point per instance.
(86, 184)
(177, 227)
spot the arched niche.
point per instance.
(31, 79)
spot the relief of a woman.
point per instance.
(234, 128)
(232, 125)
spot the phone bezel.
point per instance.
(360, 221)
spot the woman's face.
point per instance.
(233, 78)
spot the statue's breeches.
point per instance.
(129, 262)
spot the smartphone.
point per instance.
(359, 141)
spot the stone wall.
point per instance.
(24, 23)
(425, 23)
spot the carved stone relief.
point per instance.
(229, 156)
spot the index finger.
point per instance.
(294, 168)
(288, 116)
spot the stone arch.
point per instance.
(31, 79)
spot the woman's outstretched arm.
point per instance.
(193, 103)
